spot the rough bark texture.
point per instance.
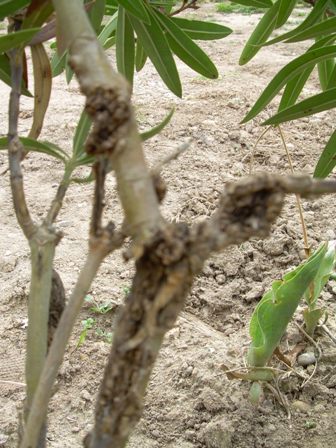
(163, 277)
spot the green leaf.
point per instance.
(108, 29)
(158, 128)
(327, 160)
(140, 57)
(312, 18)
(8, 7)
(156, 47)
(68, 70)
(287, 73)
(326, 268)
(275, 310)
(125, 46)
(83, 180)
(332, 79)
(198, 30)
(285, 10)
(85, 160)
(16, 39)
(58, 64)
(137, 9)
(96, 14)
(310, 106)
(81, 134)
(325, 70)
(5, 74)
(110, 42)
(295, 85)
(255, 3)
(43, 147)
(37, 13)
(318, 30)
(190, 53)
(260, 34)
(311, 319)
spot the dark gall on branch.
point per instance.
(111, 114)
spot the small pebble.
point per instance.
(306, 359)
(3, 439)
(301, 406)
(86, 395)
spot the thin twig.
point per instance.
(192, 4)
(57, 202)
(99, 250)
(298, 199)
(310, 339)
(15, 148)
(13, 383)
(100, 170)
(264, 132)
(173, 156)
(280, 397)
(326, 330)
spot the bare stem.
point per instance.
(298, 199)
(98, 251)
(57, 202)
(191, 4)
(15, 148)
(114, 133)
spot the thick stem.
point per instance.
(161, 283)
(15, 149)
(57, 202)
(42, 256)
(98, 251)
(114, 134)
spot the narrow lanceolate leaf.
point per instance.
(294, 88)
(37, 13)
(125, 46)
(8, 7)
(42, 88)
(198, 30)
(260, 34)
(96, 14)
(285, 10)
(58, 63)
(310, 106)
(317, 30)
(140, 57)
(108, 29)
(68, 70)
(5, 74)
(156, 47)
(295, 85)
(186, 49)
(332, 79)
(255, 3)
(137, 9)
(327, 160)
(311, 19)
(286, 74)
(325, 70)
(158, 128)
(82, 131)
(43, 147)
(110, 42)
(16, 39)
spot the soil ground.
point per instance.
(190, 402)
